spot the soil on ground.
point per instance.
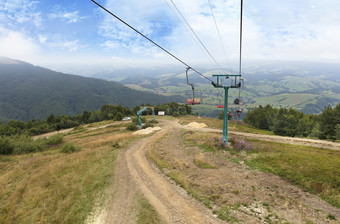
(233, 192)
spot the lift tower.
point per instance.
(233, 84)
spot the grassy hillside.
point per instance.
(54, 186)
(28, 92)
(60, 186)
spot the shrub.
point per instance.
(68, 148)
(241, 144)
(115, 145)
(175, 114)
(216, 143)
(135, 120)
(147, 125)
(55, 140)
(132, 127)
(24, 144)
(6, 147)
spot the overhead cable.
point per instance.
(219, 35)
(187, 29)
(240, 68)
(212, 82)
(196, 35)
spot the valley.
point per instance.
(304, 87)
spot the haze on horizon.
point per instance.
(60, 34)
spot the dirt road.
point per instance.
(136, 174)
(274, 138)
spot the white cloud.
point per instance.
(20, 11)
(42, 38)
(282, 30)
(69, 17)
(71, 45)
(17, 45)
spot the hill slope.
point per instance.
(28, 92)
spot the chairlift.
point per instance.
(192, 97)
(238, 100)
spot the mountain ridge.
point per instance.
(33, 92)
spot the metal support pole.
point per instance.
(225, 120)
(154, 118)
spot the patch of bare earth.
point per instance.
(234, 191)
(135, 175)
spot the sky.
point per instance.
(63, 33)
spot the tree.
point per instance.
(286, 121)
(51, 119)
(328, 122)
(306, 125)
(261, 117)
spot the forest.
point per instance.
(291, 122)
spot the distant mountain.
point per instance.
(28, 92)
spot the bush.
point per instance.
(241, 144)
(175, 114)
(24, 144)
(55, 140)
(147, 125)
(132, 127)
(5, 146)
(68, 148)
(135, 120)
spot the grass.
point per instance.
(69, 148)
(210, 122)
(224, 213)
(218, 124)
(313, 169)
(147, 214)
(316, 170)
(54, 187)
(22, 144)
(199, 161)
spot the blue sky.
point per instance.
(59, 33)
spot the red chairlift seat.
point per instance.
(194, 101)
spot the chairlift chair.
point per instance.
(239, 101)
(192, 97)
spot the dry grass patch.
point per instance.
(201, 162)
(54, 187)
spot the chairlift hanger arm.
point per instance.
(218, 85)
(187, 75)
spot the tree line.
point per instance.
(291, 122)
(55, 123)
